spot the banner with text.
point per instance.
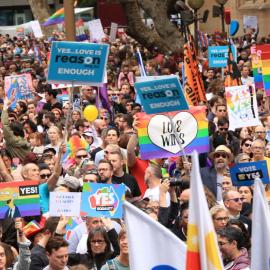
(218, 56)
(102, 200)
(19, 199)
(157, 139)
(242, 106)
(244, 174)
(161, 95)
(77, 62)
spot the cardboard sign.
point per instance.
(19, 199)
(19, 85)
(218, 55)
(157, 139)
(250, 22)
(162, 95)
(242, 106)
(36, 29)
(96, 30)
(244, 174)
(82, 63)
(65, 203)
(113, 32)
(102, 200)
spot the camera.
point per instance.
(174, 181)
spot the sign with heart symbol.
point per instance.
(161, 133)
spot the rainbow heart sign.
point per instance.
(102, 200)
(158, 140)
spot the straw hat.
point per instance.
(222, 149)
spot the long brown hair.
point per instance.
(10, 258)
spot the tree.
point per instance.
(165, 34)
(40, 10)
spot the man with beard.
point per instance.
(212, 176)
(105, 171)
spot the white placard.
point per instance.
(36, 29)
(65, 203)
(113, 32)
(96, 30)
(250, 22)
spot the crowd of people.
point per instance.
(34, 146)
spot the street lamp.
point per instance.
(195, 5)
(222, 3)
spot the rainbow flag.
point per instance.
(157, 139)
(19, 199)
(264, 52)
(57, 17)
(257, 67)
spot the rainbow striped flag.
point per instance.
(57, 17)
(157, 139)
(264, 52)
(19, 199)
(257, 68)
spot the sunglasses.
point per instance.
(222, 219)
(220, 155)
(82, 156)
(247, 145)
(103, 118)
(223, 129)
(236, 199)
(44, 176)
(222, 111)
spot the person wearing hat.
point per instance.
(212, 176)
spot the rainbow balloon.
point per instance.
(157, 138)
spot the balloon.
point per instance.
(234, 26)
(90, 113)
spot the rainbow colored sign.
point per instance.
(257, 68)
(264, 52)
(157, 139)
(19, 199)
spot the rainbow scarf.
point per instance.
(57, 17)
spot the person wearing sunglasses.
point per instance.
(246, 146)
(212, 176)
(44, 172)
(233, 201)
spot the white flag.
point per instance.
(202, 248)
(260, 249)
(151, 245)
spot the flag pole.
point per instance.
(70, 100)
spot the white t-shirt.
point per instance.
(153, 195)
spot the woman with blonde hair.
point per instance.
(220, 216)
(55, 137)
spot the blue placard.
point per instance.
(244, 174)
(102, 200)
(218, 56)
(81, 63)
(161, 95)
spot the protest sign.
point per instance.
(250, 22)
(80, 32)
(113, 32)
(264, 52)
(20, 86)
(162, 95)
(73, 222)
(157, 139)
(244, 174)
(19, 199)
(102, 200)
(257, 67)
(36, 29)
(96, 30)
(65, 203)
(81, 63)
(242, 106)
(218, 55)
